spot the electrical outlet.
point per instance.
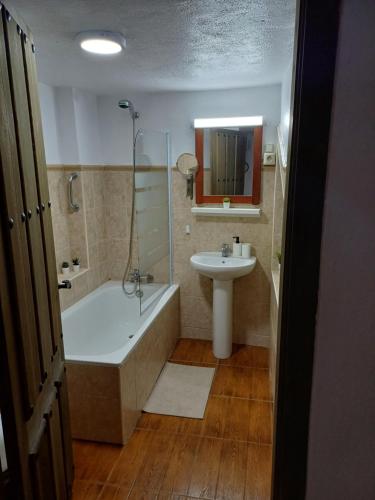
(269, 158)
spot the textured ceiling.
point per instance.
(172, 44)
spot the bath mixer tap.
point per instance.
(225, 250)
(136, 277)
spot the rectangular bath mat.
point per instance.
(181, 390)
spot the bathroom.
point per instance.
(132, 206)
(186, 248)
(100, 152)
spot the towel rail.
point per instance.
(74, 206)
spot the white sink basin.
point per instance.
(216, 267)
(223, 270)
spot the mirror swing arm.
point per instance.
(254, 198)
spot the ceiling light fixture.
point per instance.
(101, 42)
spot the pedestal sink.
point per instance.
(222, 270)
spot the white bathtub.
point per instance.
(104, 326)
(114, 356)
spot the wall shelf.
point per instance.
(71, 275)
(226, 212)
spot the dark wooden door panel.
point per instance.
(62, 394)
(43, 191)
(12, 209)
(13, 416)
(41, 464)
(31, 349)
(55, 436)
(29, 188)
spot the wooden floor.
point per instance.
(227, 455)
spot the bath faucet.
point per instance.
(225, 250)
(136, 277)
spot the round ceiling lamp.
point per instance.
(101, 42)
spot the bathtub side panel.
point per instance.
(170, 324)
(155, 348)
(95, 404)
(129, 411)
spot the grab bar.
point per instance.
(73, 206)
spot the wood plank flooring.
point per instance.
(225, 456)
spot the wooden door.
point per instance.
(33, 395)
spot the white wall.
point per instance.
(286, 90)
(87, 127)
(49, 122)
(116, 127)
(175, 112)
(82, 128)
(66, 126)
(70, 126)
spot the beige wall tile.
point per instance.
(88, 189)
(80, 287)
(196, 312)
(80, 234)
(251, 293)
(190, 332)
(117, 222)
(192, 283)
(103, 229)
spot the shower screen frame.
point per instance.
(153, 191)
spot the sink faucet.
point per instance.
(225, 250)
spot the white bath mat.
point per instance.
(181, 390)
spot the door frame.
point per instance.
(317, 28)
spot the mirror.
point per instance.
(187, 165)
(229, 160)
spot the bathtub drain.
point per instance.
(131, 336)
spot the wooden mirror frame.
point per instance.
(254, 198)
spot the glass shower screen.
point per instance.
(152, 194)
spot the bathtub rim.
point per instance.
(119, 356)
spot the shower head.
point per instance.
(126, 104)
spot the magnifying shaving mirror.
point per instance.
(187, 165)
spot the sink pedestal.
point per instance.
(222, 318)
(222, 270)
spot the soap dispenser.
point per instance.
(237, 247)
